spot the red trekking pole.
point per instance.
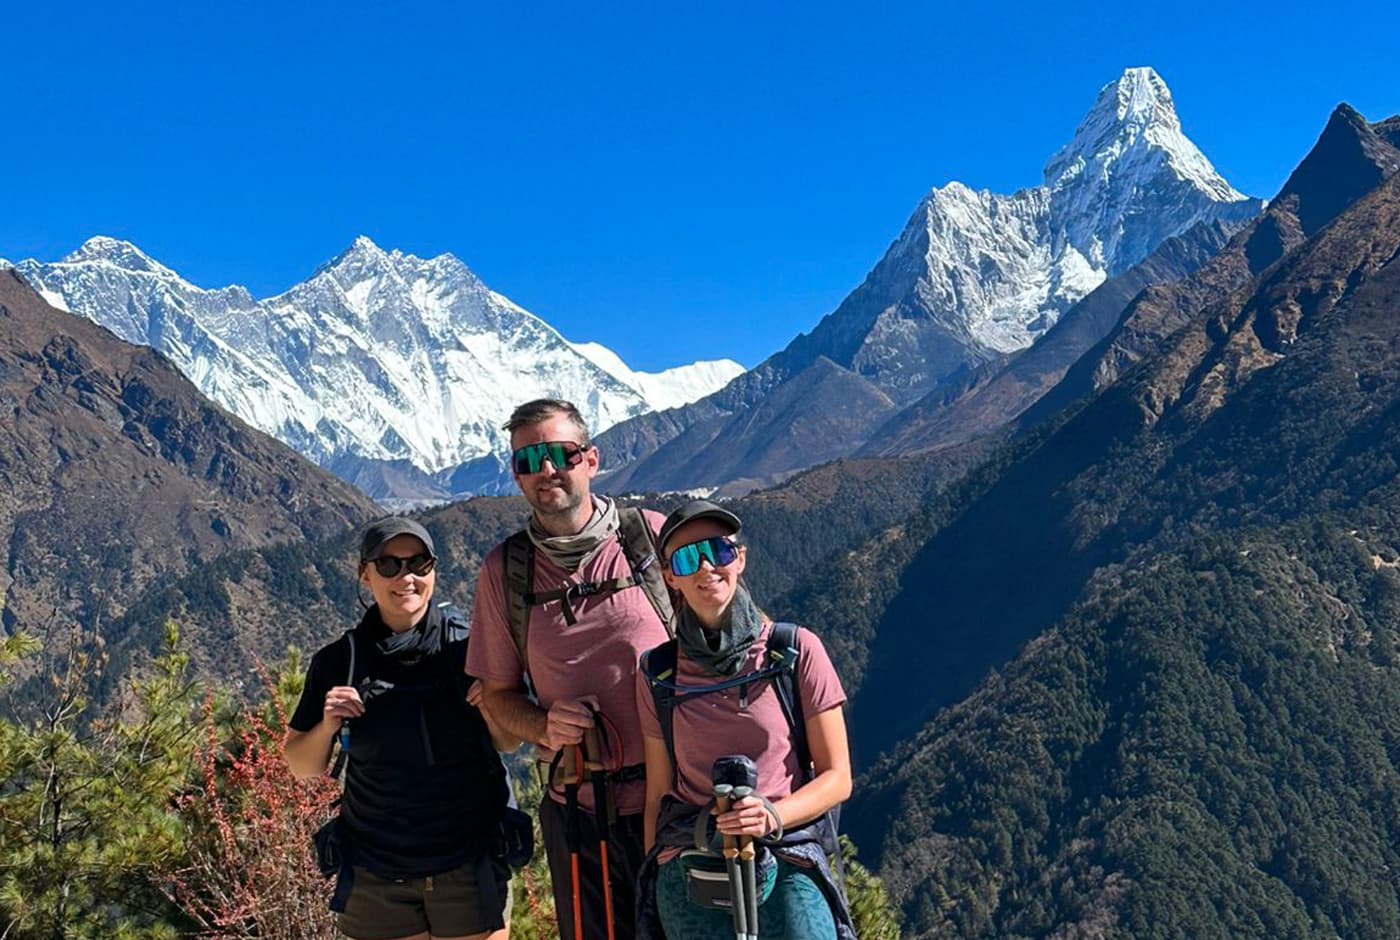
(571, 772)
(593, 759)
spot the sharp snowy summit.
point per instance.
(1130, 177)
(394, 371)
(973, 277)
(988, 274)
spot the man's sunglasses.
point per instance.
(391, 566)
(561, 454)
(717, 550)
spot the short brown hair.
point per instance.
(542, 409)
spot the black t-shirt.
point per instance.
(424, 788)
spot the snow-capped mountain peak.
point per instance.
(1135, 111)
(1125, 110)
(121, 254)
(363, 254)
(363, 259)
(363, 243)
(385, 367)
(1129, 175)
(977, 274)
(1139, 98)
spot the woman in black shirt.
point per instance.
(424, 789)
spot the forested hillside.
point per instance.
(1208, 745)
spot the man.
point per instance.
(564, 610)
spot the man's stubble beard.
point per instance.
(570, 506)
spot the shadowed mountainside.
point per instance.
(1350, 158)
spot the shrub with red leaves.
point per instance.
(250, 870)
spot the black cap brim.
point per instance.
(379, 533)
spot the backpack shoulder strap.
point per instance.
(660, 663)
(342, 740)
(644, 557)
(518, 573)
(456, 634)
(352, 645)
(783, 650)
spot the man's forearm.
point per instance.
(501, 739)
(517, 715)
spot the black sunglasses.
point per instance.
(530, 458)
(391, 566)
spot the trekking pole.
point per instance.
(735, 777)
(592, 758)
(737, 908)
(749, 869)
(572, 773)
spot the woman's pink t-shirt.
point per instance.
(710, 726)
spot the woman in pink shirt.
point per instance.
(717, 690)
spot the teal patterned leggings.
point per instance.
(796, 910)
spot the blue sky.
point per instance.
(675, 181)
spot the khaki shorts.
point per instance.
(445, 905)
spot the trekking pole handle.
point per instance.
(591, 750)
(746, 850)
(722, 804)
(566, 767)
(570, 765)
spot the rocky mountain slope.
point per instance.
(1129, 315)
(1130, 676)
(118, 473)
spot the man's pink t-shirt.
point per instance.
(710, 726)
(595, 659)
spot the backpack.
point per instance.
(781, 653)
(643, 557)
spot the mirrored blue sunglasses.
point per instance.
(717, 550)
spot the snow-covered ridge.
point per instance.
(380, 358)
(670, 388)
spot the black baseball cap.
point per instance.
(381, 531)
(697, 509)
